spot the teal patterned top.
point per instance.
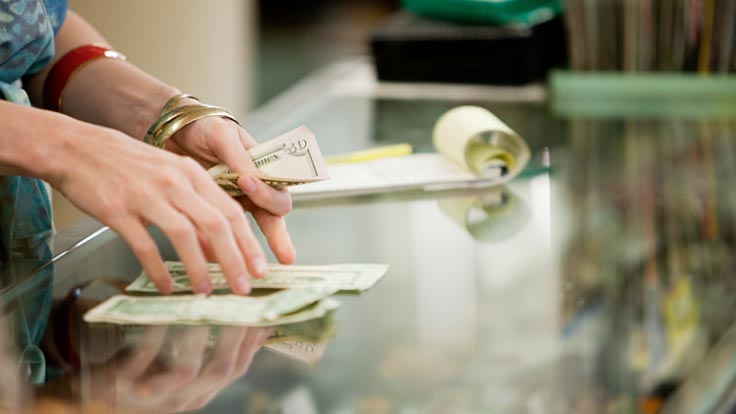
(27, 30)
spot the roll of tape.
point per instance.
(478, 141)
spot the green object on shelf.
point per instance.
(643, 95)
(497, 12)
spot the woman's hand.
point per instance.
(127, 185)
(214, 140)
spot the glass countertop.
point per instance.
(599, 281)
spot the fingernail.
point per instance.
(248, 184)
(167, 287)
(290, 255)
(205, 288)
(261, 267)
(243, 285)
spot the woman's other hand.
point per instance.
(214, 140)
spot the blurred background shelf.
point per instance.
(644, 95)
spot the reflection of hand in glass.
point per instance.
(172, 369)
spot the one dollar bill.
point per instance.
(277, 308)
(355, 277)
(289, 159)
(314, 323)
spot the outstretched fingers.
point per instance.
(146, 251)
(182, 234)
(241, 244)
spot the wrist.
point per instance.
(32, 141)
(149, 109)
(53, 159)
(143, 107)
(116, 94)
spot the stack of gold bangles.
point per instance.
(174, 117)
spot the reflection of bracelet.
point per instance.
(67, 67)
(173, 118)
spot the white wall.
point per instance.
(203, 47)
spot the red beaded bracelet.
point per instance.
(66, 67)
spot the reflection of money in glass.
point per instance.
(301, 349)
(290, 159)
(266, 310)
(306, 341)
(345, 277)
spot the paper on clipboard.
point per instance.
(475, 149)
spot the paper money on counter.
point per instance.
(313, 311)
(277, 308)
(356, 277)
(289, 159)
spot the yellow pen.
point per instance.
(395, 150)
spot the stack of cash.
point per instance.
(356, 277)
(290, 159)
(304, 295)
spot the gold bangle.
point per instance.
(169, 106)
(174, 101)
(174, 117)
(186, 117)
(164, 119)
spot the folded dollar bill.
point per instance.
(355, 277)
(273, 309)
(314, 323)
(289, 159)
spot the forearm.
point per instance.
(32, 141)
(107, 92)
